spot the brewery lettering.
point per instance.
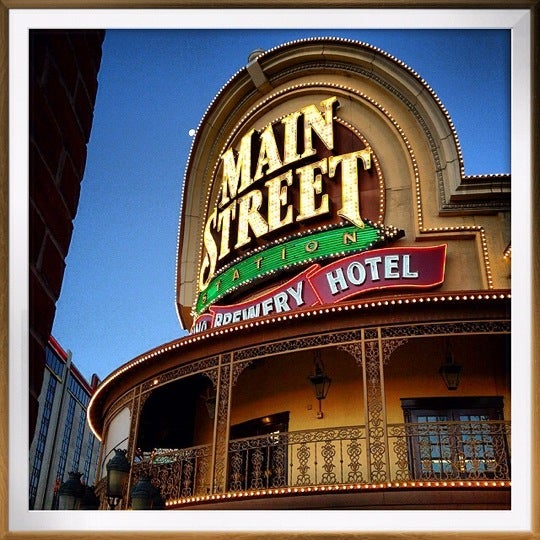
(386, 268)
(285, 300)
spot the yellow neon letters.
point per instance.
(256, 198)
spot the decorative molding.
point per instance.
(453, 328)
(319, 340)
(474, 193)
(185, 370)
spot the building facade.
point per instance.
(63, 441)
(347, 291)
(63, 85)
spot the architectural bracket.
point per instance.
(258, 77)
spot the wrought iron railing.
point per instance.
(299, 458)
(177, 473)
(476, 450)
(338, 456)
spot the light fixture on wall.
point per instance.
(450, 371)
(320, 381)
(117, 475)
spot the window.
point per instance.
(65, 442)
(79, 441)
(54, 362)
(452, 438)
(78, 391)
(42, 439)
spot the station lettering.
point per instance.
(359, 273)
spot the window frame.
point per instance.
(451, 436)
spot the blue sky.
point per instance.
(118, 294)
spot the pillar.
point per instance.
(372, 353)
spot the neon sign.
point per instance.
(300, 178)
(379, 269)
(293, 252)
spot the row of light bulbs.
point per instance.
(250, 494)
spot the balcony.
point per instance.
(434, 456)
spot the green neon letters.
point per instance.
(290, 253)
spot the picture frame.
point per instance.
(59, 525)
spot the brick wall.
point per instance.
(63, 84)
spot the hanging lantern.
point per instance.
(320, 381)
(449, 370)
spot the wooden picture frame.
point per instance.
(59, 524)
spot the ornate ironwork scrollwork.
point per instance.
(223, 403)
(431, 329)
(476, 450)
(319, 340)
(176, 473)
(182, 371)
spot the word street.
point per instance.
(254, 204)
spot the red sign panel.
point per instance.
(399, 267)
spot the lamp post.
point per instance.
(320, 381)
(145, 496)
(89, 500)
(71, 492)
(117, 476)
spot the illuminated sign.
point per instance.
(305, 187)
(292, 252)
(379, 269)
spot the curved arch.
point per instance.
(317, 62)
(117, 436)
(171, 414)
